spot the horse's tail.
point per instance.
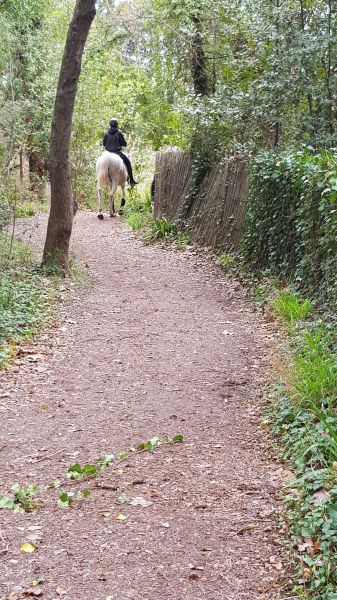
(109, 174)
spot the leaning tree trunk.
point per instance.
(56, 249)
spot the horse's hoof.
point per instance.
(100, 217)
(113, 215)
(121, 211)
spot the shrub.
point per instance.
(292, 219)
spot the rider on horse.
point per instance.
(114, 141)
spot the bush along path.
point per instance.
(133, 463)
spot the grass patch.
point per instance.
(163, 230)
(290, 307)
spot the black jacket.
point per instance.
(114, 140)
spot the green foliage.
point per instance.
(162, 230)
(22, 499)
(91, 470)
(24, 496)
(303, 415)
(138, 210)
(139, 216)
(290, 307)
(25, 297)
(24, 309)
(315, 369)
(292, 219)
(226, 261)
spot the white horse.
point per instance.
(110, 171)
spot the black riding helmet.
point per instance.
(114, 123)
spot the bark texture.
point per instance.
(60, 221)
(199, 75)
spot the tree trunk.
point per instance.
(56, 249)
(199, 75)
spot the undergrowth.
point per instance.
(303, 416)
(139, 215)
(27, 294)
(25, 298)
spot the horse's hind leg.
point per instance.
(123, 198)
(112, 203)
(99, 194)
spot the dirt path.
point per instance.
(158, 343)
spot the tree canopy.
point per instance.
(248, 74)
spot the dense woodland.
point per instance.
(237, 76)
(252, 78)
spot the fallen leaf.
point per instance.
(27, 548)
(106, 514)
(121, 498)
(140, 501)
(193, 576)
(276, 563)
(166, 525)
(61, 592)
(120, 517)
(38, 581)
(307, 544)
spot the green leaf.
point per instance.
(177, 438)
(332, 512)
(75, 472)
(6, 502)
(152, 444)
(89, 470)
(122, 454)
(105, 460)
(64, 500)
